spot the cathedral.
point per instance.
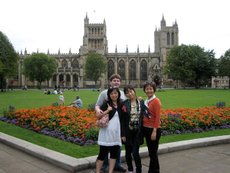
(134, 67)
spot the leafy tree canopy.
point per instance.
(191, 65)
(8, 60)
(39, 67)
(224, 65)
(95, 66)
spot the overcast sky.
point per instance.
(59, 24)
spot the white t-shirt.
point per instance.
(110, 135)
(61, 98)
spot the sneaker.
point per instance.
(103, 170)
(120, 169)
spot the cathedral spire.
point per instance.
(163, 22)
(25, 52)
(86, 20)
(116, 49)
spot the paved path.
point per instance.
(16, 161)
(214, 158)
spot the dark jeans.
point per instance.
(133, 150)
(154, 166)
(118, 160)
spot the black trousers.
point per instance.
(133, 150)
(154, 166)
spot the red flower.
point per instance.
(124, 108)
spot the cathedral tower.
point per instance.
(94, 38)
(165, 38)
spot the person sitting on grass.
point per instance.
(77, 103)
(61, 99)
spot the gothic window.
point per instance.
(68, 78)
(121, 68)
(156, 68)
(75, 78)
(143, 70)
(61, 78)
(168, 38)
(75, 64)
(132, 70)
(173, 38)
(54, 77)
(101, 31)
(64, 64)
(111, 69)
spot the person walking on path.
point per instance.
(151, 126)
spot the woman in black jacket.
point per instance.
(133, 110)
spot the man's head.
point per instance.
(115, 80)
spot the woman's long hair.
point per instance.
(110, 90)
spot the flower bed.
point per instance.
(78, 125)
(188, 120)
(67, 123)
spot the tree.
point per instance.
(191, 65)
(8, 60)
(39, 67)
(95, 66)
(224, 65)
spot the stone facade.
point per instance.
(220, 82)
(134, 67)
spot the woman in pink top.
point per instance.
(151, 126)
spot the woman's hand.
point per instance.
(99, 113)
(123, 139)
(109, 108)
(154, 135)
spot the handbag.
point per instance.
(103, 121)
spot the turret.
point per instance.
(163, 22)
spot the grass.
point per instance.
(169, 98)
(36, 98)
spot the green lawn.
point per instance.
(36, 98)
(170, 99)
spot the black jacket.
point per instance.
(126, 120)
